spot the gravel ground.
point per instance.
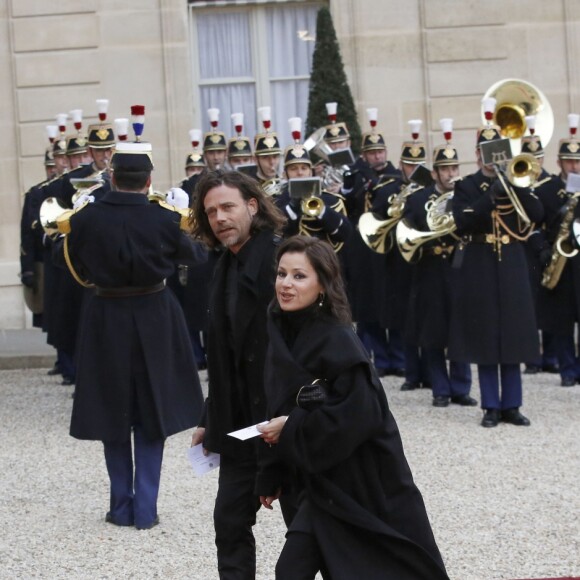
(504, 502)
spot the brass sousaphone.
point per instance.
(515, 100)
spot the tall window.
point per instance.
(251, 56)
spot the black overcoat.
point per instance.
(398, 272)
(432, 282)
(366, 270)
(559, 308)
(236, 372)
(493, 317)
(126, 241)
(364, 509)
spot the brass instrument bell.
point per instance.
(516, 99)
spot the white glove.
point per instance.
(82, 199)
(177, 198)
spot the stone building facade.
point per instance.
(422, 59)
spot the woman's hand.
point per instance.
(271, 430)
(268, 500)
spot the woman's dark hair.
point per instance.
(268, 216)
(327, 267)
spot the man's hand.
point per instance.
(268, 500)
(198, 437)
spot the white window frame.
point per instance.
(261, 78)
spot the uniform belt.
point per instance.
(124, 291)
(491, 239)
(438, 251)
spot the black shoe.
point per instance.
(551, 369)
(110, 520)
(66, 381)
(491, 418)
(426, 385)
(514, 417)
(201, 366)
(464, 400)
(532, 370)
(567, 382)
(409, 386)
(154, 523)
(398, 372)
(381, 372)
(440, 401)
(55, 370)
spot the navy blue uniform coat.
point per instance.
(124, 240)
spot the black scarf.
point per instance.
(306, 345)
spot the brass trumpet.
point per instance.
(312, 206)
(521, 171)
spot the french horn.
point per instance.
(374, 231)
(439, 219)
(52, 213)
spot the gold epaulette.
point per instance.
(63, 220)
(383, 183)
(185, 214)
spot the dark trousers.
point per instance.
(567, 359)
(384, 346)
(511, 386)
(134, 492)
(416, 367)
(197, 342)
(447, 383)
(235, 515)
(548, 355)
(66, 364)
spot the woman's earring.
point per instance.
(321, 300)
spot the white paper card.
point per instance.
(247, 432)
(201, 463)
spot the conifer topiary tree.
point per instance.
(328, 82)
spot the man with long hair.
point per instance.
(231, 210)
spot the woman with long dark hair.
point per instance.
(360, 514)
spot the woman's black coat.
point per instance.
(368, 516)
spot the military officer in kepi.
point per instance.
(136, 370)
(493, 322)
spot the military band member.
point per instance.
(31, 251)
(366, 270)
(493, 318)
(126, 246)
(214, 143)
(398, 271)
(559, 307)
(268, 153)
(194, 163)
(433, 280)
(327, 219)
(63, 295)
(239, 147)
(538, 250)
